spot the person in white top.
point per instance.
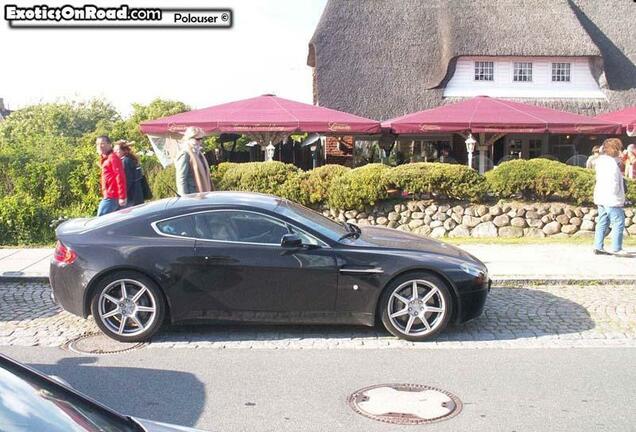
(609, 196)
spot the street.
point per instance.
(540, 358)
(291, 390)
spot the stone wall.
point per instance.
(504, 219)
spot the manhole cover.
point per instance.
(97, 343)
(410, 404)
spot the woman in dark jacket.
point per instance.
(133, 173)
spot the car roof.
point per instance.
(184, 203)
(252, 199)
(168, 207)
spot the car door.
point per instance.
(246, 274)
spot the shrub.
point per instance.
(264, 177)
(438, 179)
(23, 220)
(542, 179)
(315, 184)
(359, 187)
(218, 172)
(162, 182)
(630, 193)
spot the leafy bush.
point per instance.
(438, 179)
(359, 187)
(23, 220)
(511, 178)
(542, 179)
(217, 172)
(49, 167)
(315, 184)
(162, 182)
(265, 177)
(630, 193)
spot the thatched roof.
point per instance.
(611, 25)
(385, 58)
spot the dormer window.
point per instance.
(484, 71)
(522, 72)
(561, 72)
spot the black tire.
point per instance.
(443, 300)
(151, 298)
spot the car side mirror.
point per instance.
(291, 241)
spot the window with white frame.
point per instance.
(484, 71)
(561, 72)
(522, 72)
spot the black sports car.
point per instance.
(234, 256)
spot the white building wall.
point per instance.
(582, 84)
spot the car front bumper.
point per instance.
(472, 302)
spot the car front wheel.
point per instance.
(416, 307)
(128, 307)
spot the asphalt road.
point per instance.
(551, 389)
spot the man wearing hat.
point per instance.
(192, 170)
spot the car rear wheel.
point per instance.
(128, 307)
(416, 307)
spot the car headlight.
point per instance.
(472, 270)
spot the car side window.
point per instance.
(306, 238)
(180, 226)
(239, 226)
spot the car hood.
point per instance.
(374, 236)
(153, 426)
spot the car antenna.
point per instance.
(171, 188)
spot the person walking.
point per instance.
(192, 170)
(132, 168)
(591, 161)
(629, 160)
(113, 180)
(609, 196)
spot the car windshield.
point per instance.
(312, 219)
(29, 402)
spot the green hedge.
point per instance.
(49, 167)
(316, 184)
(273, 177)
(162, 182)
(23, 221)
(543, 179)
(38, 184)
(359, 187)
(438, 179)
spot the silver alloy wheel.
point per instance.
(127, 307)
(416, 307)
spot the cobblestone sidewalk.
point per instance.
(543, 316)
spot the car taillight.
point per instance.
(64, 254)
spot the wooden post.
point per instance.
(482, 153)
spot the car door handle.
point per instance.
(372, 270)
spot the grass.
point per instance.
(627, 241)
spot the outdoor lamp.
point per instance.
(269, 152)
(470, 148)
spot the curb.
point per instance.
(40, 279)
(520, 281)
